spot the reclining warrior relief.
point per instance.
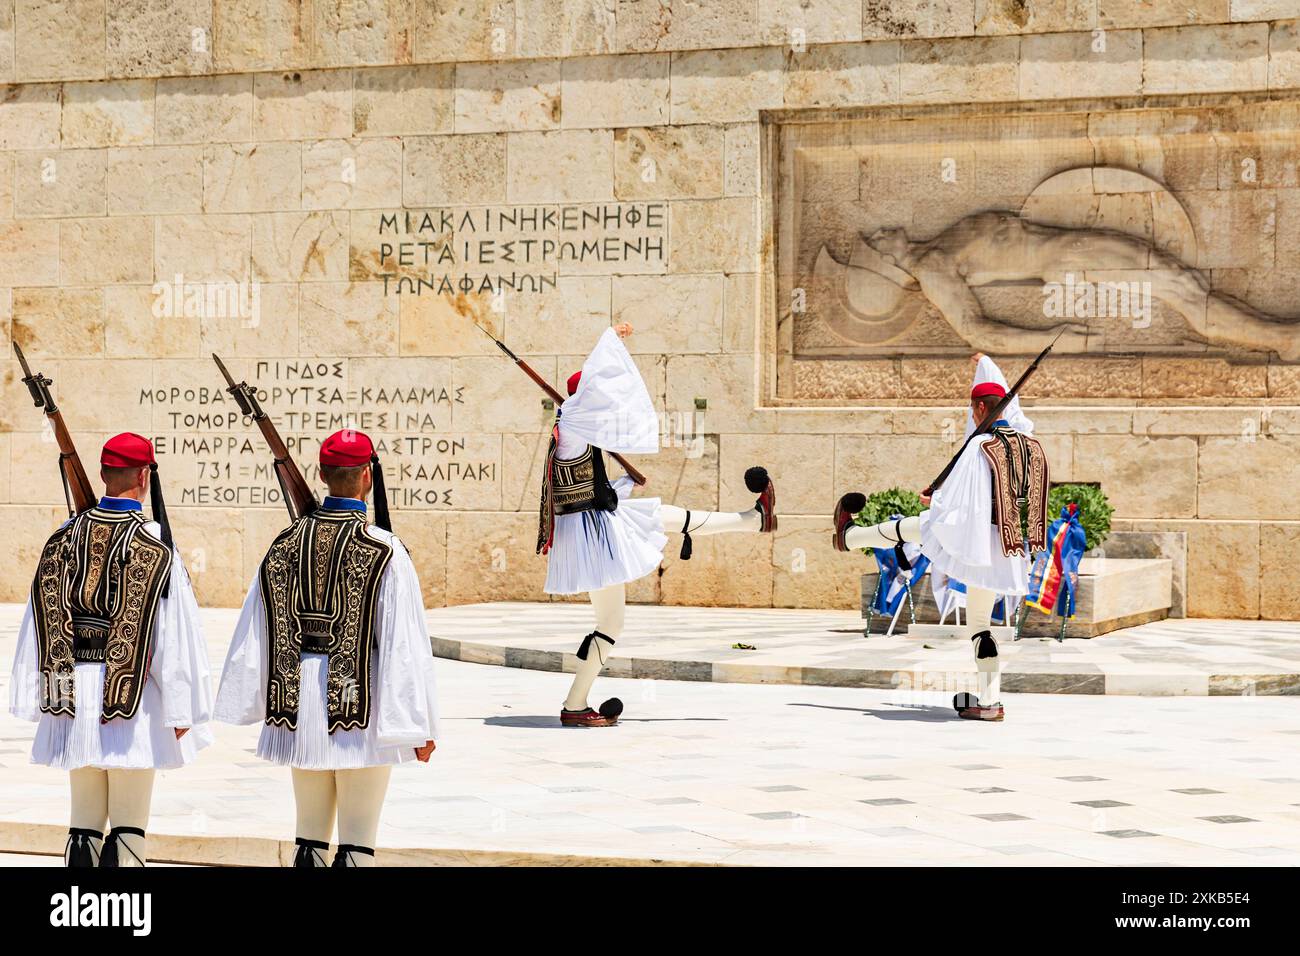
(1000, 247)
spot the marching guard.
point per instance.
(596, 537)
(332, 655)
(111, 662)
(973, 530)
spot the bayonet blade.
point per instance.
(499, 344)
(22, 360)
(225, 371)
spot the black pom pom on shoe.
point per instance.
(756, 479)
(612, 709)
(853, 502)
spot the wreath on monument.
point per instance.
(1095, 510)
(883, 505)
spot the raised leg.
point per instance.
(361, 800)
(314, 797)
(761, 517)
(674, 520)
(883, 535)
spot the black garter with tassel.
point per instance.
(79, 851)
(108, 857)
(585, 647)
(306, 855)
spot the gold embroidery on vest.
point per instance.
(101, 576)
(320, 585)
(1019, 476)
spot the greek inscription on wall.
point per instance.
(217, 457)
(499, 249)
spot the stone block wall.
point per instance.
(263, 155)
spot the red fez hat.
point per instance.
(127, 450)
(985, 389)
(574, 379)
(347, 449)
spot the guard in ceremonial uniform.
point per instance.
(332, 656)
(596, 536)
(982, 526)
(111, 662)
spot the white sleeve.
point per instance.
(180, 655)
(611, 408)
(962, 510)
(406, 694)
(241, 698)
(25, 679)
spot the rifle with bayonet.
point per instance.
(298, 496)
(76, 485)
(994, 414)
(555, 396)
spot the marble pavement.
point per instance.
(1174, 657)
(727, 773)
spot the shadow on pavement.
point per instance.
(550, 722)
(931, 715)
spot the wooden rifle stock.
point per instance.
(298, 496)
(76, 485)
(558, 399)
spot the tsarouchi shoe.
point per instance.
(968, 707)
(845, 511)
(759, 482)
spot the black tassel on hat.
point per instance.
(381, 496)
(159, 508)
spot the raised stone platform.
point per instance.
(1189, 657)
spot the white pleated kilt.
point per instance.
(141, 743)
(597, 549)
(312, 746)
(1003, 575)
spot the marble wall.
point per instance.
(330, 194)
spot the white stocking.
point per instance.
(979, 614)
(883, 535)
(130, 794)
(609, 604)
(361, 798)
(673, 520)
(89, 787)
(314, 800)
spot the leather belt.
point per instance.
(316, 643)
(89, 647)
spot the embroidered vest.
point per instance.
(570, 486)
(1019, 468)
(320, 586)
(95, 598)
